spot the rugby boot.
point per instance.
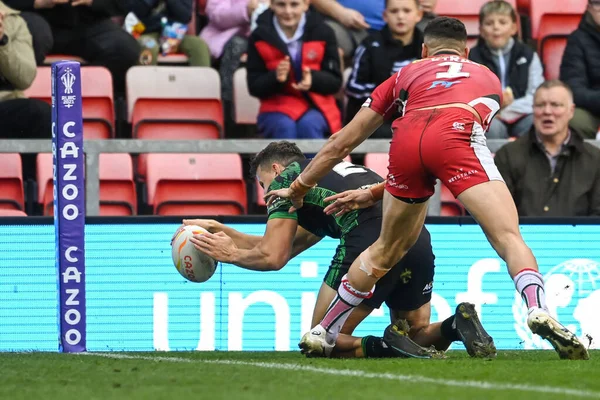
(314, 343)
(477, 341)
(566, 344)
(397, 339)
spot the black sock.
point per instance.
(448, 332)
(375, 347)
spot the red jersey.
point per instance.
(439, 80)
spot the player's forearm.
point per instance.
(256, 259)
(241, 240)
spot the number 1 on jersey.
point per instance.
(454, 71)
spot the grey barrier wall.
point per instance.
(93, 148)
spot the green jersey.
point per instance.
(344, 176)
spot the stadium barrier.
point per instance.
(137, 301)
(93, 148)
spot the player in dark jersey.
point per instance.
(406, 291)
(446, 104)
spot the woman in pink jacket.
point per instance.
(229, 24)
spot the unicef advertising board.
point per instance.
(137, 301)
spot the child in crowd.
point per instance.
(384, 53)
(294, 69)
(517, 66)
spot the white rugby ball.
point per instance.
(191, 263)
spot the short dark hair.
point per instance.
(445, 31)
(497, 7)
(554, 83)
(282, 152)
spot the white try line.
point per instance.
(483, 385)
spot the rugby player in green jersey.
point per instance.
(406, 290)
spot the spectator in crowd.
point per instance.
(351, 21)
(294, 69)
(551, 171)
(84, 28)
(516, 64)
(580, 69)
(152, 14)
(229, 23)
(383, 54)
(428, 8)
(20, 117)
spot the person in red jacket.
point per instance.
(294, 69)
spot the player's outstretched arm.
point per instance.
(271, 253)
(241, 240)
(349, 200)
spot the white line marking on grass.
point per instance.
(483, 385)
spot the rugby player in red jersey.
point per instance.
(446, 104)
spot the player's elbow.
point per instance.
(276, 262)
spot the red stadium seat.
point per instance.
(551, 54)
(174, 103)
(97, 99)
(555, 16)
(260, 192)
(196, 184)
(468, 12)
(117, 188)
(12, 213)
(246, 107)
(524, 6)
(378, 162)
(450, 207)
(11, 182)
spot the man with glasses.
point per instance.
(579, 69)
(551, 171)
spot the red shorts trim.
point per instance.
(447, 144)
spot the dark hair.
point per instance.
(497, 7)
(554, 83)
(445, 29)
(282, 152)
(417, 2)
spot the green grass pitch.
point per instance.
(288, 376)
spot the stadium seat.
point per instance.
(97, 99)
(552, 40)
(117, 188)
(173, 103)
(260, 192)
(12, 196)
(555, 17)
(468, 12)
(378, 162)
(245, 106)
(196, 184)
(551, 54)
(12, 213)
(450, 207)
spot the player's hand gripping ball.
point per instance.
(191, 263)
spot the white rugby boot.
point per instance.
(566, 344)
(314, 343)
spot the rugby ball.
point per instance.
(191, 263)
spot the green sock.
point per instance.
(375, 347)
